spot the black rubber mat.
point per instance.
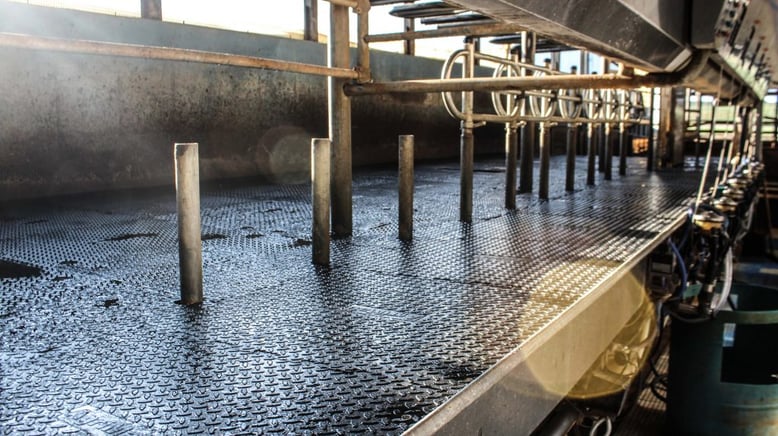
(92, 340)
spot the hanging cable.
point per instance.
(707, 158)
(728, 167)
(596, 427)
(681, 264)
(726, 287)
(710, 143)
(721, 168)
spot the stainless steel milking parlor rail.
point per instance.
(551, 105)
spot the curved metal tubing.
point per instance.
(554, 105)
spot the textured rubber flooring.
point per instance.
(91, 340)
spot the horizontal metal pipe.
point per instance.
(525, 83)
(347, 3)
(474, 30)
(492, 118)
(492, 84)
(31, 42)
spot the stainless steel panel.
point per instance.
(650, 38)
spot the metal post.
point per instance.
(572, 135)
(651, 152)
(698, 131)
(320, 191)
(545, 160)
(590, 154)
(526, 157)
(466, 142)
(601, 138)
(190, 256)
(511, 154)
(151, 9)
(758, 151)
(511, 147)
(608, 152)
(745, 121)
(406, 187)
(363, 47)
(622, 150)
(409, 45)
(311, 20)
(527, 137)
(340, 123)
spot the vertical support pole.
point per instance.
(406, 187)
(311, 20)
(340, 122)
(190, 255)
(601, 146)
(622, 98)
(622, 150)
(409, 45)
(545, 161)
(687, 112)
(466, 141)
(151, 9)
(526, 157)
(527, 137)
(604, 137)
(363, 47)
(590, 154)
(511, 154)
(608, 152)
(651, 152)
(572, 135)
(511, 145)
(698, 131)
(758, 150)
(584, 62)
(745, 121)
(320, 191)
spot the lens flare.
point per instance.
(601, 349)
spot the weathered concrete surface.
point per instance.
(75, 123)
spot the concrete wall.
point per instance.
(75, 123)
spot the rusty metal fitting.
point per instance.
(708, 221)
(725, 205)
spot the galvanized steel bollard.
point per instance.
(511, 155)
(466, 141)
(622, 150)
(591, 152)
(572, 136)
(320, 190)
(339, 111)
(189, 240)
(406, 187)
(545, 160)
(608, 153)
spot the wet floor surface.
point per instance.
(91, 339)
